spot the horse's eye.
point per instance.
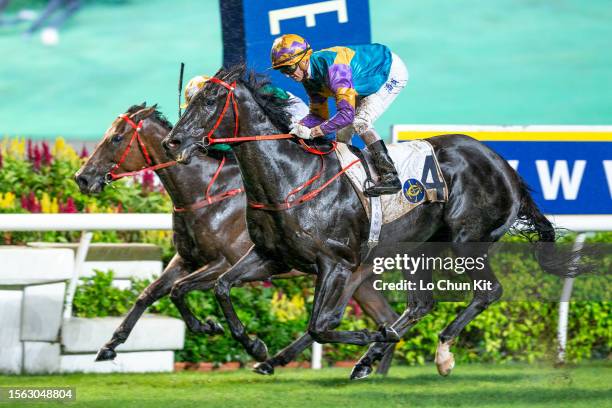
(117, 138)
(210, 102)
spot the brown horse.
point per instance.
(209, 235)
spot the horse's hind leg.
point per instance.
(420, 303)
(202, 279)
(335, 286)
(490, 292)
(371, 301)
(176, 269)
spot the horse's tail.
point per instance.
(550, 256)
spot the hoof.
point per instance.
(445, 361)
(106, 354)
(209, 328)
(390, 335)
(360, 371)
(214, 327)
(258, 350)
(264, 368)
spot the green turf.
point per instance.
(587, 385)
(470, 61)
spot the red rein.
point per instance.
(210, 199)
(290, 201)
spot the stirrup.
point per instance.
(383, 189)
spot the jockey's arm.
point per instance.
(319, 110)
(341, 84)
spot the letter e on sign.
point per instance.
(308, 11)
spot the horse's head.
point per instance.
(230, 104)
(131, 143)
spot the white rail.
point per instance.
(85, 222)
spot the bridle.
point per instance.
(112, 176)
(209, 199)
(290, 200)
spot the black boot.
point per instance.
(388, 183)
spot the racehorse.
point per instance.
(318, 226)
(209, 229)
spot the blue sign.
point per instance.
(250, 27)
(568, 168)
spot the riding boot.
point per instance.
(388, 182)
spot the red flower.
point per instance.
(29, 203)
(355, 307)
(84, 153)
(148, 181)
(29, 150)
(69, 207)
(37, 158)
(46, 154)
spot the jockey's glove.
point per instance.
(301, 131)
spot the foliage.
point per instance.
(507, 331)
(276, 326)
(38, 178)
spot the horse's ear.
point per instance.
(144, 104)
(144, 113)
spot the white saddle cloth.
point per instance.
(418, 171)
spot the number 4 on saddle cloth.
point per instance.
(418, 171)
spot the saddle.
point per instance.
(418, 170)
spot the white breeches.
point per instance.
(372, 106)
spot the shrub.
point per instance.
(507, 331)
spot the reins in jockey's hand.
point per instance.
(290, 200)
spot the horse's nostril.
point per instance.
(172, 144)
(82, 181)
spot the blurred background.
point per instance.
(470, 61)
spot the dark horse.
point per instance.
(324, 235)
(209, 237)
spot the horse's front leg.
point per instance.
(285, 356)
(202, 279)
(176, 269)
(252, 267)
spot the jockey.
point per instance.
(297, 108)
(363, 80)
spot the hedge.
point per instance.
(278, 313)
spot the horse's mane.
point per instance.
(160, 117)
(273, 106)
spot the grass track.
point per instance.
(511, 385)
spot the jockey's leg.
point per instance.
(368, 110)
(388, 182)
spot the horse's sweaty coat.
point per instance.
(418, 170)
